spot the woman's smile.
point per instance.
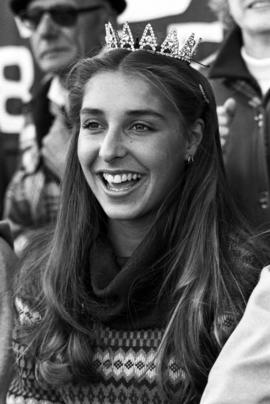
(120, 182)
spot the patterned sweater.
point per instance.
(126, 361)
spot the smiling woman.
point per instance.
(131, 152)
(133, 294)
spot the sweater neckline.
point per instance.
(126, 293)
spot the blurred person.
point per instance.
(60, 31)
(130, 298)
(3, 175)
(7, 270)
(240, 76)
(242, 370)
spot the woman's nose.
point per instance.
(112, 146)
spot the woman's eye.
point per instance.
(91, 125)
(141, 127)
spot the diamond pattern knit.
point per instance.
(126, 361)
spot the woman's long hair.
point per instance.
(212, 263)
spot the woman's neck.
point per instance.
(126, 235)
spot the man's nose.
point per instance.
(113, 145)
(46, 25)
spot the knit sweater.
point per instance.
(124, 352)
(125, 360)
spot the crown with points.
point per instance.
(169, 47)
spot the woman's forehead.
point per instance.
(113, 89)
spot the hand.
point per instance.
(226, 113)
(55, 146)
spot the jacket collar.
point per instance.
(229, 62)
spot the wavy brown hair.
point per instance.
(213, 262)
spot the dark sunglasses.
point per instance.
(65, 16)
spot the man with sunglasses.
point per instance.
(59, 32)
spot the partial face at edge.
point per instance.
(131, 145)
(252, 16)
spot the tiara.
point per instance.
(169, 47)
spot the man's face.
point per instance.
(56, 46)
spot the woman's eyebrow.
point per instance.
(132, 112)
(144, 112)
(94, 111)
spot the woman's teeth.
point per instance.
(120, 178)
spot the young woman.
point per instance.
(132, 296)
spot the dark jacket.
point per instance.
(3, 176)
(246, 153)
(40, 109)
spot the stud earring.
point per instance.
(190, 159)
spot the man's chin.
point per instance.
(48, 65)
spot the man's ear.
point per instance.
(195, 138)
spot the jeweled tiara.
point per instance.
(169, 47)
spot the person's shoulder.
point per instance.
(22, 188)
(244, 253)
(248, 255)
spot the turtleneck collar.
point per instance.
(127, 296)
(259, 68)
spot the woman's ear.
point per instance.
(195, 138)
